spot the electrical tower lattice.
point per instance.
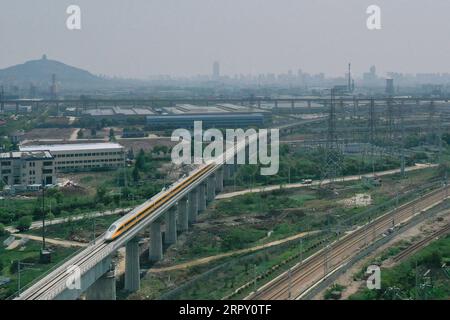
(333, 153)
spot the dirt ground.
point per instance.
(145, 144)
(358, 200)
(49, 134)
(88, 181)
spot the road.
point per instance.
(74, 134)
(205, 260)
(291, 284)
(38, 224)
(58, 242)
(316, 183)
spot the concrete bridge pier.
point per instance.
(202, 197)
(155, 252)
(247, 153)
(171, 226)
(226, 171)
(211, 188)
(132, 268)
(193, 206)
(219, 180)
(233, 169)
(104, 288)
(183, 219)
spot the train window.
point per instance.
(112, 228)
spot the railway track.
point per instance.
(422, 243)
(54, 283)
(317, 266)
(83, 261)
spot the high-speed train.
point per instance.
(129, 220)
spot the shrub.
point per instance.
(24, 223)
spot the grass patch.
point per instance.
(29, 253)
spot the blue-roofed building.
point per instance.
(216, 120)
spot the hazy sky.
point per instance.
(138, 38)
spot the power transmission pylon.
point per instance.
(390, 123)
(332, 167)
(372, 133)
(431, 124)
(402, 140)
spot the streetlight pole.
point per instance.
(255, 288)
(93, 229)
(301, 250)
(18, 278)
(43, 215)
(290, 283)
(45, 256)
(19, 269)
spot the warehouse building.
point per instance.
(217, 120)
(27, 170)
(118, 114)
(83, 156)
(212, 116)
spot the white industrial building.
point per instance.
(83, 156)
(27, 170)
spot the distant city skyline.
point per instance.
(139, 39)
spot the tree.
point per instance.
(24, 223)
(49, 216)
(126, 192)
(101, 193)
(80, 134)
(111, 134)
(130, 154)
(2, 230)
(93, 132)
(135, 174)
(140, 160)
(160, 149)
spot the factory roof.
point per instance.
(114, 111)
(72, 147)
(219, 116)
(100, 112)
